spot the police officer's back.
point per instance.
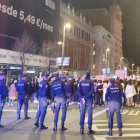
(3, 95)
(58, 93)
(23, 91)
(85, 91)
(43, 97)
(114, 96)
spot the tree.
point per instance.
(50, 51)
(26, 47)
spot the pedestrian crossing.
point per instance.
(129, 127)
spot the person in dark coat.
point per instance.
(3, 95)
(23, 94)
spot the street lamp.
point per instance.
(60, 43)
(132, 68)
(63, 44)
(119, 66)
(107, 50)
(120, 60)
(138, 70)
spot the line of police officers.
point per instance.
(57, 93)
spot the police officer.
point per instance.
(23, 90)
(43, 101)
(58, 93)
(85, 91)
(3, 95)
(114, 96)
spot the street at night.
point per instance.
(24, 129)
(65, 57)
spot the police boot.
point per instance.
(62, 128)
(110, 132)
(90, 131)
(26, 117)
(81, 129)
(36, 123)
(120, 132)
(1, 126)
(55, 127)
(18, 117)
(42, 127)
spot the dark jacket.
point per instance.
(68, 88)
(23, 88)
(86, 88)
(3, 90)
(58, 89)
(44, 89)
(114, 93)
(99, 88)
(75, 87)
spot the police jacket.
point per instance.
(23, 88)
(3, 90)
(86, 88)
(114, 93)
(58, 89)
(44, 89)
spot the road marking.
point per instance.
(100, 120)
(96, 114)
(115, 129)
(124, 112)
(135, 124)
(103, 137)
(132, 112)
(31, 111)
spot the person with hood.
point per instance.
(105, 86)
(130, 92)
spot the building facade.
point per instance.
(112, 21)
(89, 47)
(104, 51)
(79, 42)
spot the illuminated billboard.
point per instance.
(39, 17)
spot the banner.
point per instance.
(39, 17)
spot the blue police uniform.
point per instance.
(23, 90)
(86, 90)
(3, 95)
(58, 93)
(114, 95)
(43, 98)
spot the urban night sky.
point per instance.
(130, 19)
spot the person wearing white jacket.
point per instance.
(105, 86)
(130, 92)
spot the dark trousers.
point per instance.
(2, 103)
(87, 106)
(60, 102)
(42, 110)
(75, 97)
(21, 101)
(100, 97)
(114, 106)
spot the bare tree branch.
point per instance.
(50, 52)
(26, 47)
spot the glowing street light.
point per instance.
(60, 43)
(132, 68)
(119, 66)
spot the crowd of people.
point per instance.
(130, 88)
